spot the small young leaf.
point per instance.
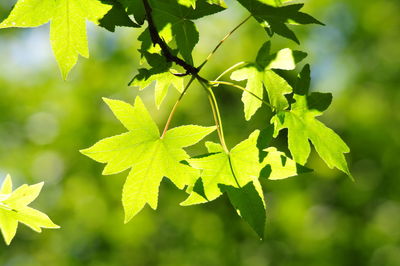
(163, 80)
(260, 75)
(14, 209)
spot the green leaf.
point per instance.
(249, 203)
(192, 3)
(188, 3)
(254, 76)
(272, 2)
(169, 13)
(277, 88)
(163, 80)
(135, 8)
(116, 16)
(236, 174)
(302, 126)
(149, 155)
(235, 169)
(68, 25)
(277, 165)
(260, 75)
(220, 3)
(14, 209)
(274, 17)
(285, 59)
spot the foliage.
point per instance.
(167, 44)
(14, 209)
(150, 155)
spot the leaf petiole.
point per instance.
(229, 70)
(171, 114)
(216, 112)
(215, 82)
(222, 41)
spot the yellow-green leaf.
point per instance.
(303, 126)
(68, 25)
(149, 155)
(14, 209)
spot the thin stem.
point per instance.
(215, 116)
(216, 113)
(222, 41)
(243, 89)
(233, 171)
(230, 69)
(175, 106)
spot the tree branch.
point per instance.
(156, 39)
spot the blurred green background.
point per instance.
(319, 219)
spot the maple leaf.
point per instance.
(68, 25)
(176, 21)
(259, 75)
(236, 168)
(235, 173)
(192, 3)
(249, 203)
(302, 126)
(276, 165)
(14, 209)
(163, 81)
(149, 155)
(117, 15)
(274, 18)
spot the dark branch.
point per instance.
(156, 39)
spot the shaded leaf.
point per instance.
(116, 16)
(274, 17)
(179, 18)
(249, 203)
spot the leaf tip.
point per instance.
(84, 151)
(127, 218)
(8, 241)
(64, 73)
(55, 226)
(351, 177)
(39, 185)
(108, 101)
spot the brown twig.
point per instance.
(156, 39)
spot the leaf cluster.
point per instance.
(168, 39)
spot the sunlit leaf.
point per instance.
(149, 155)
(259, 75)
(67, 28)
(14, 209)
(304, 127)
